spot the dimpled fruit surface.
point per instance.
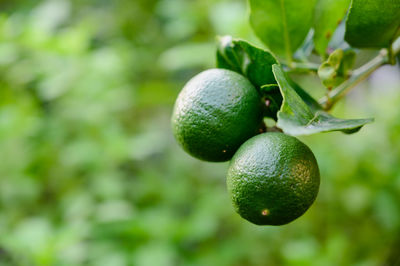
(273, 179)
(215, 113)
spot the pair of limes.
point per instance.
(273, 178)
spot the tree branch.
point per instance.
(359, 75)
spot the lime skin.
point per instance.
(215, 113)
(273, 179)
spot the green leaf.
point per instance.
(255, 64)
(250, 61)
(300, 114)
(337, 68)
(282, 24)
(373, 23)
(327, 16)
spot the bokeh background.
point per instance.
(91, 175)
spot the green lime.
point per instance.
(273, 179)
(215, 113)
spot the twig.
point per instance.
(301, 67)
(359, 75)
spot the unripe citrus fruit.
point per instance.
(273, 179)
(215, 113)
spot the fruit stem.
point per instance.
(359, 75)
(274, 129)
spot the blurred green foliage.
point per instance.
(90, 173)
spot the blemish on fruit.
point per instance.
(265, 212)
